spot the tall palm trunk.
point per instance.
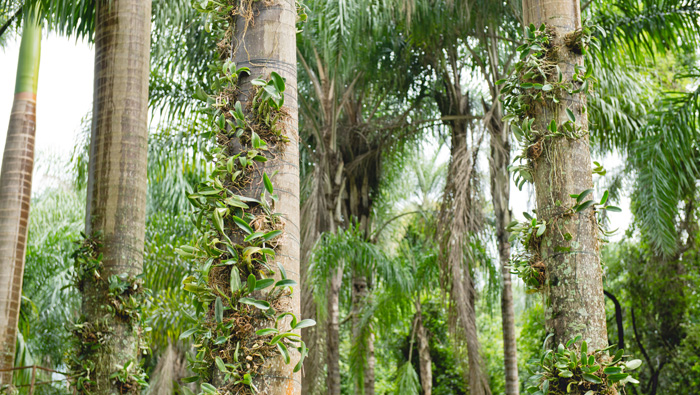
(318, 215)
(116, 194)
(575, 302)
(361, 336)
(15, 191)
(333, 335)
(359, 206)
(424, 359)
(500, 192)
(459, 220)
(267, 44)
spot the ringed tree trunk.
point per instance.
(500, 193)
(116, 191)
(15, 190)
(265, 44)
(575, 303)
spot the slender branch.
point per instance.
(618, 319)
(413, 336)
(381, 228)
(352, 314)
(9, 21)
(519, 42)
(641, 348)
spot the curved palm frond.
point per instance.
(667, 164)
(645, 28)
(619, 106)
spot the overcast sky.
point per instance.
(64, 95)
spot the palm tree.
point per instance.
(654, 123)
(15, 190)
(440, 33)
(494, 52)
(116, 191)
(349, 120)
(562, 167)
(267, 47)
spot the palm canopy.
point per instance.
(633, 111)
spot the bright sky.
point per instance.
(64, 95)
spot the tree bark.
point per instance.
(574, 289)
(265, 44)
(500, 194)
(15, 191)
(424, 360)
(116, 194)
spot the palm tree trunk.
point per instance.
(424, 360)
(458, 219)
(15, 191)
(266, 44)
(500, 193)
(360, 294)
(116, 191)
(575, 303)
(317, 217)
(333, 340)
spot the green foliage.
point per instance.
(235, 296)
(537, 78)
(56, 218)
(407, 380)
(130, 377)
(647, 28)
(573, 369)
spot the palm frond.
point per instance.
(620, 104)
(645, 28)
(666, 161)
(407, 381)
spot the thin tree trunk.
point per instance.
(265, 44)
(360, 294)
(15, 191)
(424, 360)
(317, 217)
(618, 320)
(333, 353)
(500, 193)
(358, 206)
(574, 291)
(116, 195)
